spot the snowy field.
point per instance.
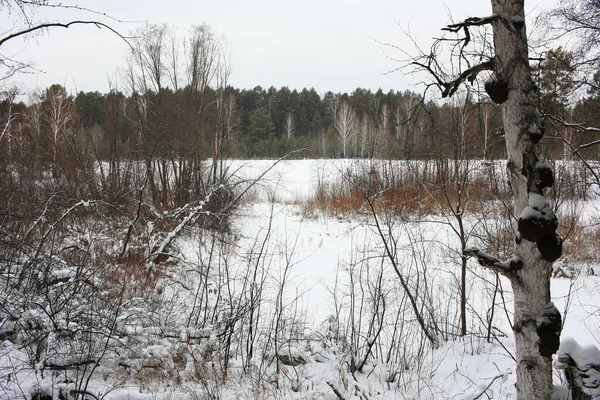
(326, 292)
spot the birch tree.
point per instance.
(345, 124)
(60, 114)
(537, 322)
(486, 114)
(289, 125)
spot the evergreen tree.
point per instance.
(261, 132)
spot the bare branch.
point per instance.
(576, 150)
(79, 8)
(473, 21)
(469, 74)
(98, 24)
(506, 268)
(336, 390)
(579, 127)
(480, 391)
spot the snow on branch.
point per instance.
(579, 127)
(581, 365)
(193, 215)
(571, 124)
(336, 390)
(82, 203)
(572, 353)
(507, 267)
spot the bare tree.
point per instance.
(203, 51)
(578, 21)
(60, 114)
(223, 125)
(345, 124)
(289, 125)
(230, 115)
(149, 50)
(486, 128)
(173, 56)
(537, 322)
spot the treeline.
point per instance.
(258, 123)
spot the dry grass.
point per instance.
(404, 198)
(581, 243)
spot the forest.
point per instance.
(178, 237)
(270, 123)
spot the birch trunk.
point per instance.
(531, 283)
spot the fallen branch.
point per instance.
(480, 390)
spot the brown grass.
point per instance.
(581, 243)
(401, 201)
(421, 189)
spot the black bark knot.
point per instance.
(537, 220)
(548, 327)
(497, 89)
(538, 171)
(543, 175)
(535, 132)
(550, 247)
(518, 25)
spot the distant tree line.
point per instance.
(257, 123)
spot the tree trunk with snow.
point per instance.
(536, 333)
(537, 322)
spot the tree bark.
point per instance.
(531, 283)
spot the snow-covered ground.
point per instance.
(331, 277)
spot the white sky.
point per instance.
(325, 44)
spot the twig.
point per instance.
(336, 391)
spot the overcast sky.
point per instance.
(325, 44)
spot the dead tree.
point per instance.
(537, 322)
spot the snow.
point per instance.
(537, 201)
(323, 254)
(585, 357)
